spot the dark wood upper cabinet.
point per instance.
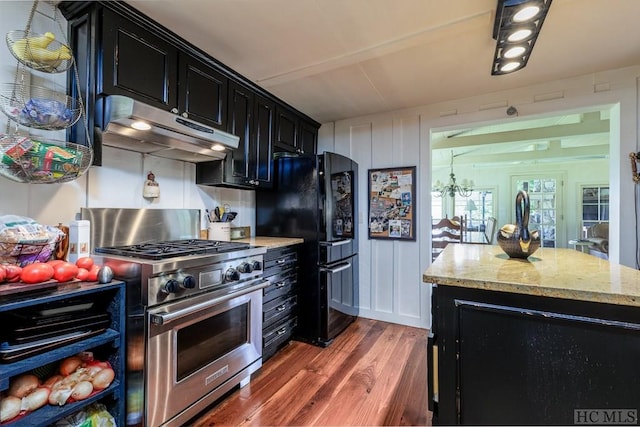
(307, 137)
(251, 117)
(126, 53)
(137, 63)
(294, 134)
(286, 129)
(202, 92)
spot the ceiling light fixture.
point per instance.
(516, 29)
(452, 187)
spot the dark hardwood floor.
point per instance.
(373, 374)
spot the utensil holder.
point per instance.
(219, 231)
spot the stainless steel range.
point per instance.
(194, 311)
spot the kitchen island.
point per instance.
(554, 339)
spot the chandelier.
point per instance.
(452, 187)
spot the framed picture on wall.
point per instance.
(392, 203)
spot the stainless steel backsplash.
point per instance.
(118, 227)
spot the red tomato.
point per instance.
(13, 272)
(55, 262)
(65, 271)
(36, 273)
(93, 273)
(83, 274)
(85, 262)
(3, 274)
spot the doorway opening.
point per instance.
(565, 151)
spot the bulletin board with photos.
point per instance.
(392, 203)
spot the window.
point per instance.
(477, 207)
(595, 205)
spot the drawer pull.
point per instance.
(281, 261)
(281, 331)
(283, 307)
(281, 284)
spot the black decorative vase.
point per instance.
(515, 239)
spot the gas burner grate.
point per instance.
(173, 248)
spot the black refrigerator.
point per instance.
(315, 198)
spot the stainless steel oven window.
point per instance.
(210, 339)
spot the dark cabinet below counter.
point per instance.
(550, 340)
(280, 299)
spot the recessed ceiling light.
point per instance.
(519, 35)
(217, 147)
(526, 14)
(141, 125)
(510, 66)
(514, 52)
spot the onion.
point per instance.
(103, 378)
(59, 396)
(22, 385)
(51, 381)
(82, 390)
(70, 364)
(9, 408)
(36, 399)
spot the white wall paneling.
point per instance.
(614, 89)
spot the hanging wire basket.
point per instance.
(38, 107)
(33, 159)
(41, 52)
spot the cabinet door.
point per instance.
(202, 93)
(137, 63)
(286, 129)
(307, 138)
(260, 147)
(240, 114)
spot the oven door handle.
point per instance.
(164, 318)
(336, 269)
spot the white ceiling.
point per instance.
(336, 59)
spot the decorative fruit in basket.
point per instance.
(34, 49)
(36, 273)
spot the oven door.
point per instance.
(198, 344)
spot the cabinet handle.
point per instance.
(281, 331)
(281, 261)
(283, 307)
(185, 115)
(281, 284)
(174, 110)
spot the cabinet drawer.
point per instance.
(280, 284)
(279, 259)
(278, 309)
(277, 336)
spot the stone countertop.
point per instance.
(271, 242)
(557, 273)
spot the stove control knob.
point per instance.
(232, 275)
(245, 267)
(188, 282)
(256, 265)
(171, 286)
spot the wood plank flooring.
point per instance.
(373, 374)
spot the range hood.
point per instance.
(168, 135)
